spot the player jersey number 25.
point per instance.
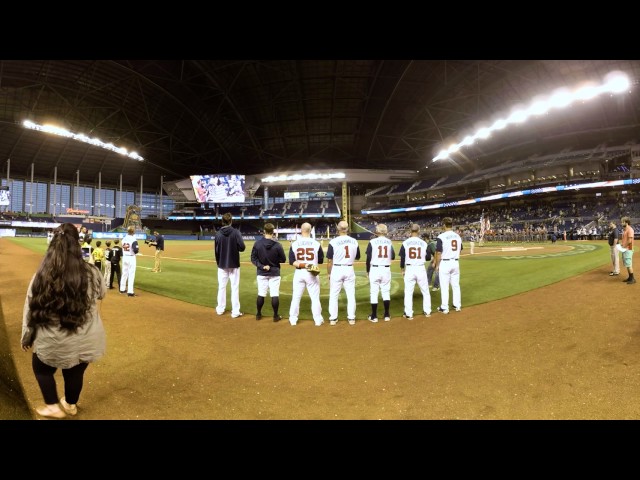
(305, 254)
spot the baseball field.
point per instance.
(536, 339)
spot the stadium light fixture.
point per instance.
(304, 176)
(63, 132)
(614, 83)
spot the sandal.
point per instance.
(51, 411)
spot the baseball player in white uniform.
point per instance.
(129, 251)
(448, 248)
(379, 255)
(343, 250)
(303, 251)
(413, 256)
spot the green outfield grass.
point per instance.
(484, 277)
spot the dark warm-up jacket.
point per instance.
(229, 244)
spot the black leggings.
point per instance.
(73, 378)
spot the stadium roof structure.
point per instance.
(188, 117)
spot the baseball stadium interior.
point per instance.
(381, 124)
(172, 145)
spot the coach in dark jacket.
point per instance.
(267, 255)
(228, 245)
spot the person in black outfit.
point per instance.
(228, 245)
(614, 239)
(267, 255)
(116, 255)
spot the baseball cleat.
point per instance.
(387, 319)
(333, 321)
(442, 310)
(352, 321)
(239, 314)
(631, 282)
(277, 318)
(372, 319)
(408, 317)
(427, 314)
(458, 308)
(258, 316)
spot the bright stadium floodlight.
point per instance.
(62, 132)
(303, 176)
(614, 83)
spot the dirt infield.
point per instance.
(567, 351)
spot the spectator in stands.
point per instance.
(267, 255)
(228, 245)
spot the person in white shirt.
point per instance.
(448, 248)
(379, 255)
(342, 252)
(414, 253)
(304, 251)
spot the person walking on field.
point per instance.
(627, 243)
(61, 321)
(305, 251)
(379, 255)
(342, 252)
(228, 245)
(267, 254)
(614, 239)
(130, 249)
(448, 249)
(414, 254)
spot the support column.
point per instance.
(55, 193)
(345, 202)
(31, 190)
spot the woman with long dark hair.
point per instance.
(61, 321)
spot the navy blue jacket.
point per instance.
(267, 251)
(228, 245)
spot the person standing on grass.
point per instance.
(157, 242)
(228, 245)
(267, 255)
(130, 249)
(61, 321)
(116, 255)
(627, 243)
(613, 240)
(107, 262)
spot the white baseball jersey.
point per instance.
(380, 252)
(343, 251)
(449, 244)
(413, 256)
(306, 250)
(129, 250)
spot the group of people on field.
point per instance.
(420, 261)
